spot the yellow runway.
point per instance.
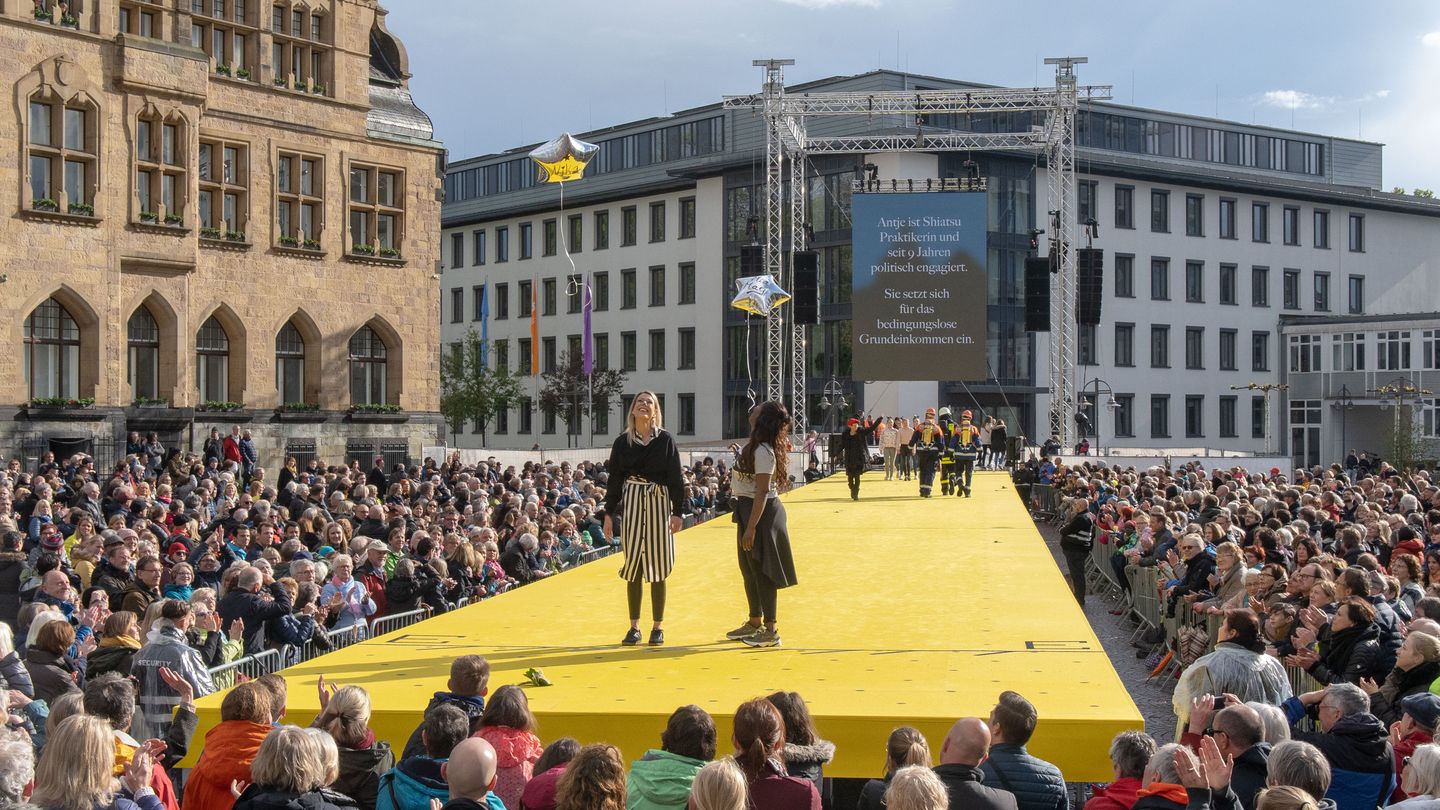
(908, 612)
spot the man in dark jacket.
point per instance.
(965, 748)
(247, 604)
(1239, 734)
(468, 685)
(471, 773)
(112, 574)
(1075, 541)
(1037, 784)
(1354, 742)
(855, 446)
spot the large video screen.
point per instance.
(919, 286)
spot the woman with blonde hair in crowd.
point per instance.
(1285, 797)
(1421, 779)
(345, 716)
(74, 771)
(292, 769)
(916, 788)
(907, 746)
(719, 785)
(1417, 665)
(593, 780)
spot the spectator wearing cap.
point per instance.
(1419, 718)
(371, 574)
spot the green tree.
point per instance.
(569, 395)
(471, 390)
(1424, 193)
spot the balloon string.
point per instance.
(749, 370)
(573, 285)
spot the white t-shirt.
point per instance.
(742, 484)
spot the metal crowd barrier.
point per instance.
(1044, 500)
(250, 667)
(389, 624)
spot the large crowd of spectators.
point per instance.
(1298, 625)
(123, 594)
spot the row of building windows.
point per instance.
(230, 34)
(62, 147)
(496, 305)
(572, 239)
(1394, 350)
(1228, 425)
(52, 357)
(1127, 133)
(1196, 285)
(1088, 348)
(675, 142)
(683, 422)
(1196, 216)
(628, 358)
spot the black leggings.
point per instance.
(760, 592)
(657, 600)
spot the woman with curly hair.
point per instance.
(594, 780)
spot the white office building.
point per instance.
(1215, 235)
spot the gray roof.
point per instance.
(393, 113)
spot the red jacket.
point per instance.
(1118, 795)
(231, 448)
(1403, 750)
(229, 749)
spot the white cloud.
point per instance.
(824, 4)
(1295, 100)
(1431, 40)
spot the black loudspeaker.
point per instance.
(1037, 294)
(752, 260)
(1090, 263)
(807, 286)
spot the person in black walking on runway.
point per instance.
(855, 444)
(647, 490)
(766, 565)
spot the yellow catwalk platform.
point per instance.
(909, 611)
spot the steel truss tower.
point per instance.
(786, 140)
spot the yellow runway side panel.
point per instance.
(908, 611)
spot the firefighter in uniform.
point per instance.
(947, 454)
(928, 442)
(965, 444)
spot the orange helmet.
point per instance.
(964, 414)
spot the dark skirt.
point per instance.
(772, 541)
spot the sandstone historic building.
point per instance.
(215, 212)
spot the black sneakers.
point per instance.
(631, 638)
(657, 637)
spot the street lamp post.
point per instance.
(1266, 389)
(1400, 392)
(1110, 403)
(1343, 404)
(832, 399)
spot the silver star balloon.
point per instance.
(759, 295)
(563, 159)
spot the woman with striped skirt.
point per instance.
(647, 490)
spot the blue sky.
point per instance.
(495, 74)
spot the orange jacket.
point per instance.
(229, 749)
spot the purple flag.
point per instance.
(587, 345)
